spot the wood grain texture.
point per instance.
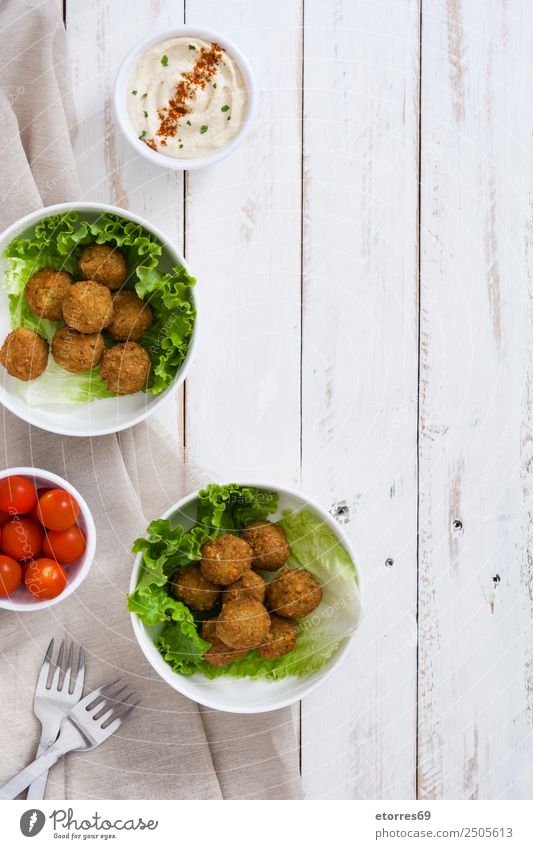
(99, 36)
(359, 376)
(243, 239)
(476, 599)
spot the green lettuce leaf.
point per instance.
(181, 646)
(179, 641)
(57, 242)
(167, 341)
(55, 382)
(232, 506)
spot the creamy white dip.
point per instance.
(191, 76)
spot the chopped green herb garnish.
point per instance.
(229, 117)
(192, 47)
(203, 129)
(142, 134)
(144, 95)
(134, 91)
(164, 60)
(189, 123)
(214, 85)
(145, 113)
(225, 108)
(181, 146)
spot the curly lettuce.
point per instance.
(57, 242)
(222, 509)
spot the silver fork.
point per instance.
(88, 724)
(52, 703)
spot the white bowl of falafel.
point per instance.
(97, 319)
(244, 597)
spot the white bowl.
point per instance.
(231, 694)
(22, 600)
(122, 87)
(107, 415)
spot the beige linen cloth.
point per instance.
(170, 748)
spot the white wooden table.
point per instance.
(365, 266)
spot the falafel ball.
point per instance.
(126, 367)
(190, 586)
(294, 593)
(225, 559)
(87, 307)
(281, 639)
(269, 545)
(45, 291)
(208, 630)
(250, 585)
(75, 351)
(105, 264)
(131, 317)
(243, 624)
(220, 655)
(24, 354)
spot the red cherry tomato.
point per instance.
(17, 495)
(57, 510)
(33, 512)
(4, 519)
(65, 546)
(10, 575)
(22, 539)
(45, 579)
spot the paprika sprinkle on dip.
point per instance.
(187, 97)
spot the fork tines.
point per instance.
(106, 708)
(73, 680)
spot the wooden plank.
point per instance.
(360, 375)
(243, 239)
(476, 600)
(99, 36)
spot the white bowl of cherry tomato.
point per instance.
(47, 539)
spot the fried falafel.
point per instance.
(131, 317)
(225, 559)
(88, 307)
(75, 351)
(281, 638)
(126, 368)
(221, 655)
(249, 585)
(24, 354)
(294, 593)
(243, 624)
(269, 545)
(104, 264)
(45, 291)
(208, 630)
(189, 585)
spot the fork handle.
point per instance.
(37, 788)
(41, 764)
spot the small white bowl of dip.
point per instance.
(184, 98)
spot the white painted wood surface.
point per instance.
(360, 376)
(306, 246)
(476, 637)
